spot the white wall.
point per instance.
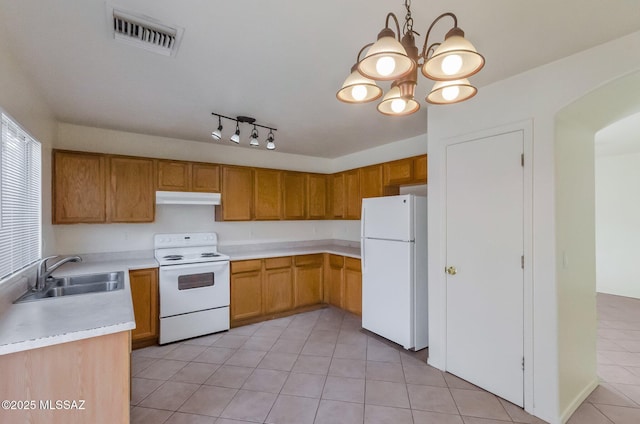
(575, 259)
(413, 146)
(20, 98)
(618, 224)
(537, 94)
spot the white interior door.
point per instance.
(485, 245)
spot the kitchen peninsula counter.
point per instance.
(48, 322)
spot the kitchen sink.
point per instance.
(77, 284)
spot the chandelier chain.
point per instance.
(408, 20)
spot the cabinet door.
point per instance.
(295, 193)
(205, 177)
(79, 187)
(237, 193)
(174, 175)
(308, 279)
(131, 194)
(337, 195)
(352, 286)
(317, 196)
(398, 172)
(246, 289)
(336, 280)
(278, 284)
(352, 194)
(144, 295)
(420, 169)
(371, 181)
(267, 194)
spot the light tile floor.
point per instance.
(320, 368)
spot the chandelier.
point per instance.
(235, 138)
(448, 63)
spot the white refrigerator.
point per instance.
(394, 269)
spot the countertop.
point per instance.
(48, 322)
(273, 250)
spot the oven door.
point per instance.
(193, 287)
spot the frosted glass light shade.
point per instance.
(235, 137)
(448, 92)
(386, 55)
(216, 135)
(436, 67)
(271, 145)
(390, 104)
(358, 89)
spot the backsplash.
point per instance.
(97, 238)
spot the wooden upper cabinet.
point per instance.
(317, 196)
(79, 187)
(337, 195)
(237, 193)
(371, 181)
(398, 172)
(174, 175)
(205, 177)
(294, 199)
(420, 169)
(267, 191)
(131, 190)
(188, 176)
(353, 201)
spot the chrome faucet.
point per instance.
(44, 272)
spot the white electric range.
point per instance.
(194, 285)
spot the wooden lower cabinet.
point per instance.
(278, 285)
(144, 295)
(335, 280)
(266, 288)
(308, 280)
(352, 286)
(246, 289)
(94, 370)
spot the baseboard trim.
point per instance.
(577, 401)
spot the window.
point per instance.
(20, 199)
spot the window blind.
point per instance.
(20, 199)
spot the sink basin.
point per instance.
(77, 284)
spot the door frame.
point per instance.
(438, 248)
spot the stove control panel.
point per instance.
(161, 241)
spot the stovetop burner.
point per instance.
(187, 248)
(172, 257)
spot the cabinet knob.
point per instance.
(451, 270)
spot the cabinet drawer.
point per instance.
(245, 266)
(336, 261)
(302, 260)
(352, 263)
(273, 263)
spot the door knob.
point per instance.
(451, 270)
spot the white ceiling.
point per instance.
(280, 61)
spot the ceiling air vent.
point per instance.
(145, 32)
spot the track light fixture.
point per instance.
(449, 63)
(217, 134)
(235, 138)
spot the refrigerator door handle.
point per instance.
(362, 255)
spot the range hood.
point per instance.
(186, 198)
